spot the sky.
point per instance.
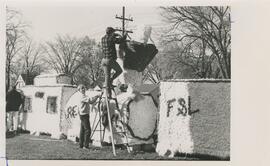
(47, 21)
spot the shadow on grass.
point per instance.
(11, 134)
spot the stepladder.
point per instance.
(108, 120)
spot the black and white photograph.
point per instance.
(126, 82)
(118, 82)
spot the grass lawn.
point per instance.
(29, 147)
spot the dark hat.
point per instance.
(109, 30)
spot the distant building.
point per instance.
(24, 80)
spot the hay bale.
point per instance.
(182, 130)
(210, 127)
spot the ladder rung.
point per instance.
(112, 86)
(109, 98)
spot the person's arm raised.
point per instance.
(119, 39)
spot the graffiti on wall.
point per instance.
(71, 112)
(183, 107)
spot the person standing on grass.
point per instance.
(109, 56)
(13, 102)
(83, 111)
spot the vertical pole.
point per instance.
(123, 21)
(110, 124)
(100, 121)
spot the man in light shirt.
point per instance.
(83, 110)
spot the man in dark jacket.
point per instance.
(109, 60)
(13, 102)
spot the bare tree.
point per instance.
(190, 58)
(15, 34)
(30, 57)
(91, 72)
(79, 58)
(63, 55)
(204, 33)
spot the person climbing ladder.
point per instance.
(109, 57)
